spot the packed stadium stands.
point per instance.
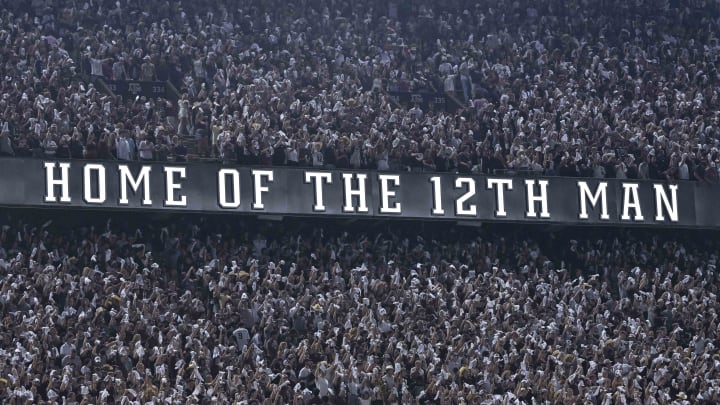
(124, 308)
(136, 308)
(589, 88)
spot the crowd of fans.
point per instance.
(132, 309)
(616, 89)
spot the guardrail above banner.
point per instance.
(297, 191)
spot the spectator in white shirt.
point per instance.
(683, 170)
(122, 147)
(145, 149)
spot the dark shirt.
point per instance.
(180, 152)
(76, 149)
(278, 157)
(63, 151)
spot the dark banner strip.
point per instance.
(132, 88)
(292, 191)
(426, 101)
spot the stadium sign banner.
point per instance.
(132, 88)
(426, 101)
(209, 187)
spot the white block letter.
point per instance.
(661, 196)
(532, 199)
(259, 188)
(350, 192)
(171, 186)
(599, 196)
(222, 194)
(51, 182)
(317, 178)
(385, 194)
(500, 193)
(87, 183)
(631, 190)
(142, 179)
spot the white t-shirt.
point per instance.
(450, 84)
(322, 385)
(293, 155)
(683, 171)
(445, 68)
(199, 68)
(146, 150)
(96, 67)
(242, 336)
(183, 109)
(123, 149)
